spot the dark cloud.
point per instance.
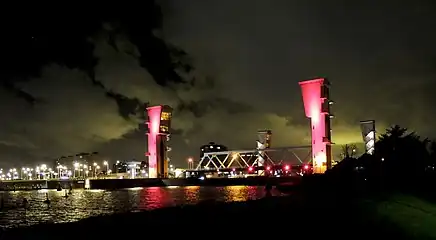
(73, 116)
(229, 68)
(379, 55)
(201, 107)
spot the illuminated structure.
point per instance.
(159, 125)
(132, 168)
(212, 147)
(368, 133)
(82, 158)
(243, 158)
(263, 142)
(317, 107)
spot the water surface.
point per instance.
(82, 204)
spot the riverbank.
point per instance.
(309, 214)
(320, 207)
(113, 184)
(29, 185)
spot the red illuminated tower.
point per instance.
(159, 125)
(317, 107)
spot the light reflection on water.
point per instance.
(82, 204)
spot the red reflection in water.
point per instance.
(153, 197)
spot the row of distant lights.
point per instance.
(13, 173)
(211, 147)
(43, 170)
(286, 168)
(78, 166)
(268, 168)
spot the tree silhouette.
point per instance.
(432, 151)
(402, 159)
(349, 151)
(404, 153)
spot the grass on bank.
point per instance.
(414, 216)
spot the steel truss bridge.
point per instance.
(252, 158)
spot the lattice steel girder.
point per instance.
(225, 159)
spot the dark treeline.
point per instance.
(402, 161)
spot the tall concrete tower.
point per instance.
(317, 107)
(159, 126)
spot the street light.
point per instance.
(190, 163)
(107, 166)
(76, 168)
(95, 169)
(59, 170)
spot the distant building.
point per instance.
(212, 147)
(120, 167)
(81, 158)
(81, 165)
(133, 168)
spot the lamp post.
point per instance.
(98, 167)
(95, 169)
(85, 168)
(59, 170)
(190, 163)
(76, 168)
(105, 163)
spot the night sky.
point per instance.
(77, 81)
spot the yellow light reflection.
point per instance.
(95, 190)
(192, 194)
(236, 193)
